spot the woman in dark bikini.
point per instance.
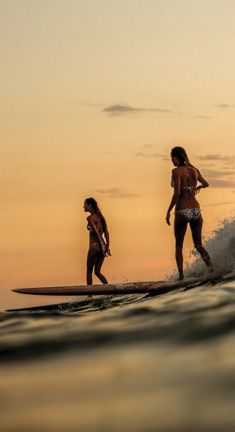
(187, 209)
(98, 245)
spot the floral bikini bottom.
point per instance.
(190, 213)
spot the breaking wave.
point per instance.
(221, 247)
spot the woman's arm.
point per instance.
(204, 184)
(176, 181)
(106, 234)
(95, 230)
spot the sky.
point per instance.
(93, 97)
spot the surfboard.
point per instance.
(152, 287)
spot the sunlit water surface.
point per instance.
(124, 363)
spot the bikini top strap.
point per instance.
(189, 188)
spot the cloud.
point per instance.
(224, 105)
(203, 117)
(217, 157)
(147, 151)
(147, 146)
(220, 183)
(127, 109)
(217, 172)
(115, 193)
(149, 155)
(218, 178)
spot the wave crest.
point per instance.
(221, 248)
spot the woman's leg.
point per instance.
(90, 265)
(98, 264)
(180, 227)
(196, 228)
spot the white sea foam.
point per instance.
(221, 248)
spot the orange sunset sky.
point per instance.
(94, 94)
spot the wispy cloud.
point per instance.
(203, 117)
(115, 193)
(224, 105)
(127, 109)
(217, 157)
(217, 172)
(219, 178)
(148, 151)
(149, 155)
(220, 183)
(147, 146)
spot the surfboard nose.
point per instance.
(20, 290)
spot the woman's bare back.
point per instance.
(186, 179)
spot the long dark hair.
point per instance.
(94, 205)
(181, 154)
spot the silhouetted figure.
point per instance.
(98, 242)
(185, 178)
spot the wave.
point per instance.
(221, 248)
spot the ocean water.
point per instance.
(126, 363)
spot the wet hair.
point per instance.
(93, 203)
(181, 154)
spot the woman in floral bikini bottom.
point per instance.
(187, 209)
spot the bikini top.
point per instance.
(188, 188)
